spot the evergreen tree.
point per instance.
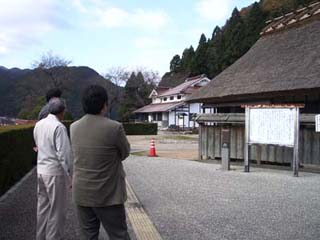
(199, 64)
(215, 53)
(143, 90)
(187, 58)
(130, 98)
(234, 36)
(254, 22)
(175, 64)
(136, 93)
(233, 40)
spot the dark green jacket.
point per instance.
(99, 147)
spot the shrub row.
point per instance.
(16, 154)
(141, 128)
(16, 150)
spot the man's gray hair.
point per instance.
(56, 106)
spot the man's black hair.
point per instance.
(54, 92)
(94, 98)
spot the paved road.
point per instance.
(18, 214)
(192, 200)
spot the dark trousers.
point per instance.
(112, 218)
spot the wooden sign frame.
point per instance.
(295, 146)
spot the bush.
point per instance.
(141, 128)
(16, 154)
(16, 149)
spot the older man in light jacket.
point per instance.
(54, 168)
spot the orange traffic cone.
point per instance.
(152, 152)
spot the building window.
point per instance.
(192, 116)
(179, 97)
(157, 116)
(171, 98)
(165, 99)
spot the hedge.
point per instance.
(140, 128)
(16, 154)
(16, 149)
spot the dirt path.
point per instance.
(168, 145)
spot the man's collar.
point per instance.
(52, 117)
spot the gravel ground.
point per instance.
(193, 200)
(18, 214)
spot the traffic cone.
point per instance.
(152, 152)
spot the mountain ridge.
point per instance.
(22, 90)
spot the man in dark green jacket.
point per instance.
(99, 190)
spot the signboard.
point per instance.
(272, 126)
(317, 123)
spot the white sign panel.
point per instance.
(272, 126)
(317, 123)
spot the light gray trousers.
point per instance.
(52, 204)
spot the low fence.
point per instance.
(210, 139)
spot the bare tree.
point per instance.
(118, 76)
(150, 76)
(49, 60)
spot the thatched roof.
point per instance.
(279, 64)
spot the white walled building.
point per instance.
(168, 107)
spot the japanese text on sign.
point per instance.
(272, 126)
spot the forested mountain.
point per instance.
(227, 43)
(22, 91)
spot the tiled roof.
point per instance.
(161, 90)
(161, 107)
(291, 18)
(184, 88)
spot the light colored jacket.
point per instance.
(54, 148)
(99, 147)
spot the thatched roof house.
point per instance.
(283, 65)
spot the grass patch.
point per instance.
(140, 154)
(181, 137)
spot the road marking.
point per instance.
(142, 226)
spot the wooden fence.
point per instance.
(210, 140)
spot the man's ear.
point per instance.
(104, 109)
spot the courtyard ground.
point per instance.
(168, 144)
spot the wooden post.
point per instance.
(247, 132)
(296, 145)
(258, 150)
(189, 116)
(200, 142)
(225, 148)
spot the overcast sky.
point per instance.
(102, 34)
